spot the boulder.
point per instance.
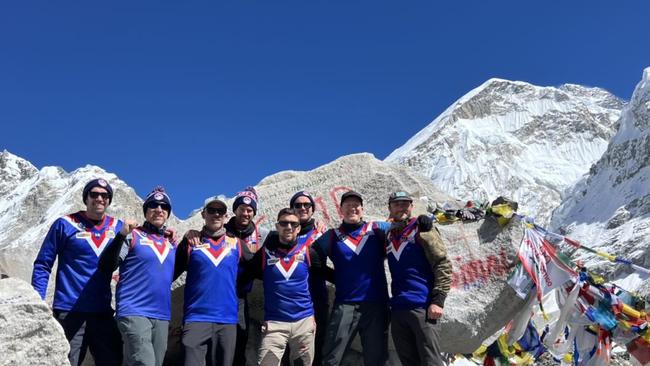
(480, 302)
(30, 335)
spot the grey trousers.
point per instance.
(145, 340)
(96, 331)
(370, 320)
(209, 344)
(416, 339)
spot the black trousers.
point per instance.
(209, 344)
(415, 338)
(97, 331)
(321, 314)
(370, 320)
(243, 323)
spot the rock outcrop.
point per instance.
(30, 335)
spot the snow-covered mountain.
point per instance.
(609, 209)
(31, 199)
(514, 139)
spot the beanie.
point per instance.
(247, 197)
(158, 195)
(101, 183)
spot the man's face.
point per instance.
(304, 208)
(97, 201)
(214, 216)
(352, 210)
(400, 210)
(288, 227)
(156, 214)
(244, 214)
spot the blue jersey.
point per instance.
(358, 258)
(317, 285)
(412, 277)
(146, 274)
(286, 284)
(77, 242)
(210, 285)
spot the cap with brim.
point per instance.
(214, 202)
(350, 194)
(399, 196)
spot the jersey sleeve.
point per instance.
(111, 257)
(382, 226)
(182, 258)
(321, 245)
(54, 241)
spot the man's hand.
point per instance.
(172, 233)
(193, 238)
(129, 225)
(425, 223)
(320, 226)
(434, 312)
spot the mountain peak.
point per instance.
(635, 121)
(516, 139)
(13, 170)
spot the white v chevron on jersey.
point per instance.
(161, 250)
(96, 240)
(396, 247)
(217, 255)
(286, 265)
(356, 245)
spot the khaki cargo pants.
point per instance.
(298, 335)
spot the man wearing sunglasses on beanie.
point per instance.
(420, 281)
(210, 297)
(82, 295)
(357, 249)
(285, 265)
(143, 294)
(243, 227)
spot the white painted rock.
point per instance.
(480, 301)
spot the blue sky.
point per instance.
(208, 97)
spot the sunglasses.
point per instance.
(103, 195)
(154, 205)
(293, 224)
(305, 205)
(215, 211)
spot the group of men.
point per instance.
(224, 258)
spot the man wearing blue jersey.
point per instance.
(285, 265)
(210, 296)
(143, 294)
(420, 281)
(304, 205)
(82, 295)
(356, 248)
